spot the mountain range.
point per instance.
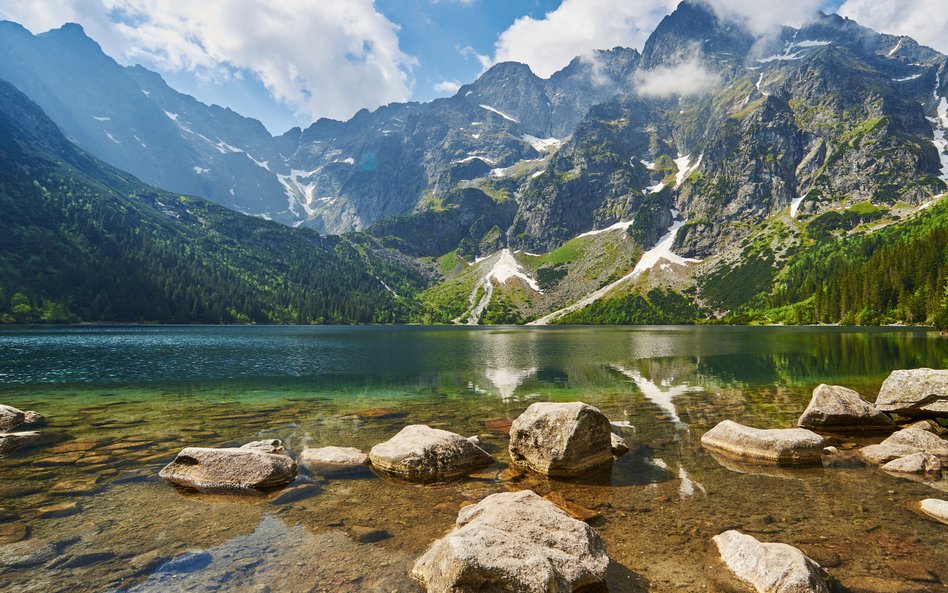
(694, 180)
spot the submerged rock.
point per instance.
(918, 393)
(916, 463)
(562, 439)
(216, 470)
(935, 508)
(619, 446)
(769, 567)
(780, 445)
(882, 453)
(420, 453)
(273, 446)
(11, 417)
(343, 456)
(514, 543)
(14, 441)
(835, 408)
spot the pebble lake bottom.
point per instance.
(87, 512)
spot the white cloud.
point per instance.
(576, 28)
(689, 77)
(319, 57)
(447, 86)
(762, 16)
(469, 52)
(926, 21)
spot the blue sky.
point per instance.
(291, 62)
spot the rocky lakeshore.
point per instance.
(549, 497)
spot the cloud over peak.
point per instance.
(323, 59)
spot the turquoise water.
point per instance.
(121, 401)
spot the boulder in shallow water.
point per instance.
(768, 568)
(619, 446)
(916, 463)
(222, 470)
(834, 408)
(11, 417)
(917, 393)
(273, 446)
(778, 445)
(935, 508)
(568, 439)
(514, 543)
(420, 453)
(335, 460)
(14, 441)
(919, 439)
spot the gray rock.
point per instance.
(13, 441)
(273, 446)
(514, 543)
(770, 567)
(786, 445)
(619, 446)
(835, 408)
(936, 509)
(918, 393)
(916, 463)
(882, 453)
(217, 470)
(11, 417)
(342, 456)
(905, 442)
(561, 439)
(420, 453)
(923, 425)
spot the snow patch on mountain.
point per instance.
(101, 118)
(504, 269)
(660, 252)
(112, 138)
(940, 132)
(685, 168)
(619, 226)
(500, 113)
(542, 144)
(172, 116)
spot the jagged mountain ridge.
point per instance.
(82, 241)
(333, 176)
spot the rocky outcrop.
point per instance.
(916, 463)
(769, 567)
(561, 439)
(918, 393)
(514, 543)
(785, 446)
(14, 441)
(274, 446)
(905, 442)
(11, 418)
(223, 470)
(834, 408)
(420, 453)
(935, 508)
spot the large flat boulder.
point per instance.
(758, 567)
(514, 542)
(918, 393)
(230, 469)
(838, 409)
(420, 453)
(568, 439)
(335, 460)
(935, 508)
(778, 445)
(921, 440)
